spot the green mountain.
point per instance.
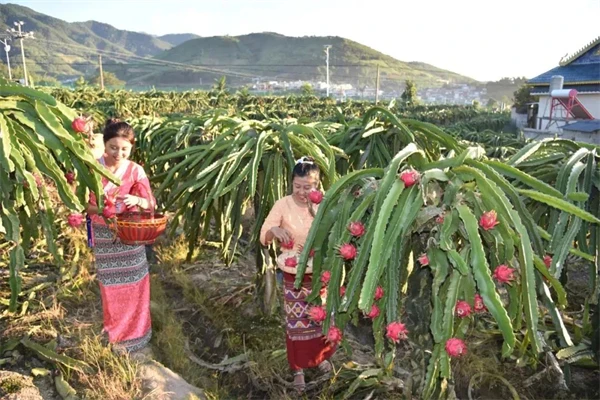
(66, 51)
(279, 57)
(176, 39)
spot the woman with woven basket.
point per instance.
(122, 270)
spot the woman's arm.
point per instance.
(140, 193)
(268, 237)
(92, 206)
(272, 226)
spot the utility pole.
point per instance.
(377, 87)
(7, 49)
(101, 74)
(18, 34)
(327, 47)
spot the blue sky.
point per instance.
(485, 40)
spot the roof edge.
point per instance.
(566, 83)
(569, 59)
(548, 94)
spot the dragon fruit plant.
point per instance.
(40, 141)
(482, 208)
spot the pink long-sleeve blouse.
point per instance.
(287, 214)
(130, 174)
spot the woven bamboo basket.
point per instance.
(135, 228)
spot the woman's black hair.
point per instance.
(116, 128)
(305, 166)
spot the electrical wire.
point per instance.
(122, 55)
(245, 72)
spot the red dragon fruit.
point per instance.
(347, 251)
(379, 293)
(423, 260)
(325, 277)
(334, 335)
(374, 312)
(315, 196)
(478, 304)
(357, 229)
(503, 274)
(291, 262)
(456, 347)
(488, 220)
(70, 177)
(288, 245)
(79, 125)
(317, 313)
(410, 177)
(462, 309)
(110, 210)
(75, 220)
(396, 331)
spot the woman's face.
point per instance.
(117, 149)
(303, 185)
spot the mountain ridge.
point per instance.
(287, 57)
(66, 50)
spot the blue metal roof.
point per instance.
(589, 54)
(587, 88)
(584, 126)
(572, 73)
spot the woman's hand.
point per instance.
(281, 234)
(132, 201)
(91, 209)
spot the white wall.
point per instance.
(590, 101)
(520, 120)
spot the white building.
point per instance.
(569, 97)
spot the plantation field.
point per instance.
(472, 237)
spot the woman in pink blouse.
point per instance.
(122, 270)
(289, 222)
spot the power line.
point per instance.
(115, 54)
(260, 68)
(234, 65)
(203, 66)
(118, 55)
(139, 61)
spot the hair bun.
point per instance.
(111, 121)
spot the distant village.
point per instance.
(459, 94)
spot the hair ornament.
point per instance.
(304, 160)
